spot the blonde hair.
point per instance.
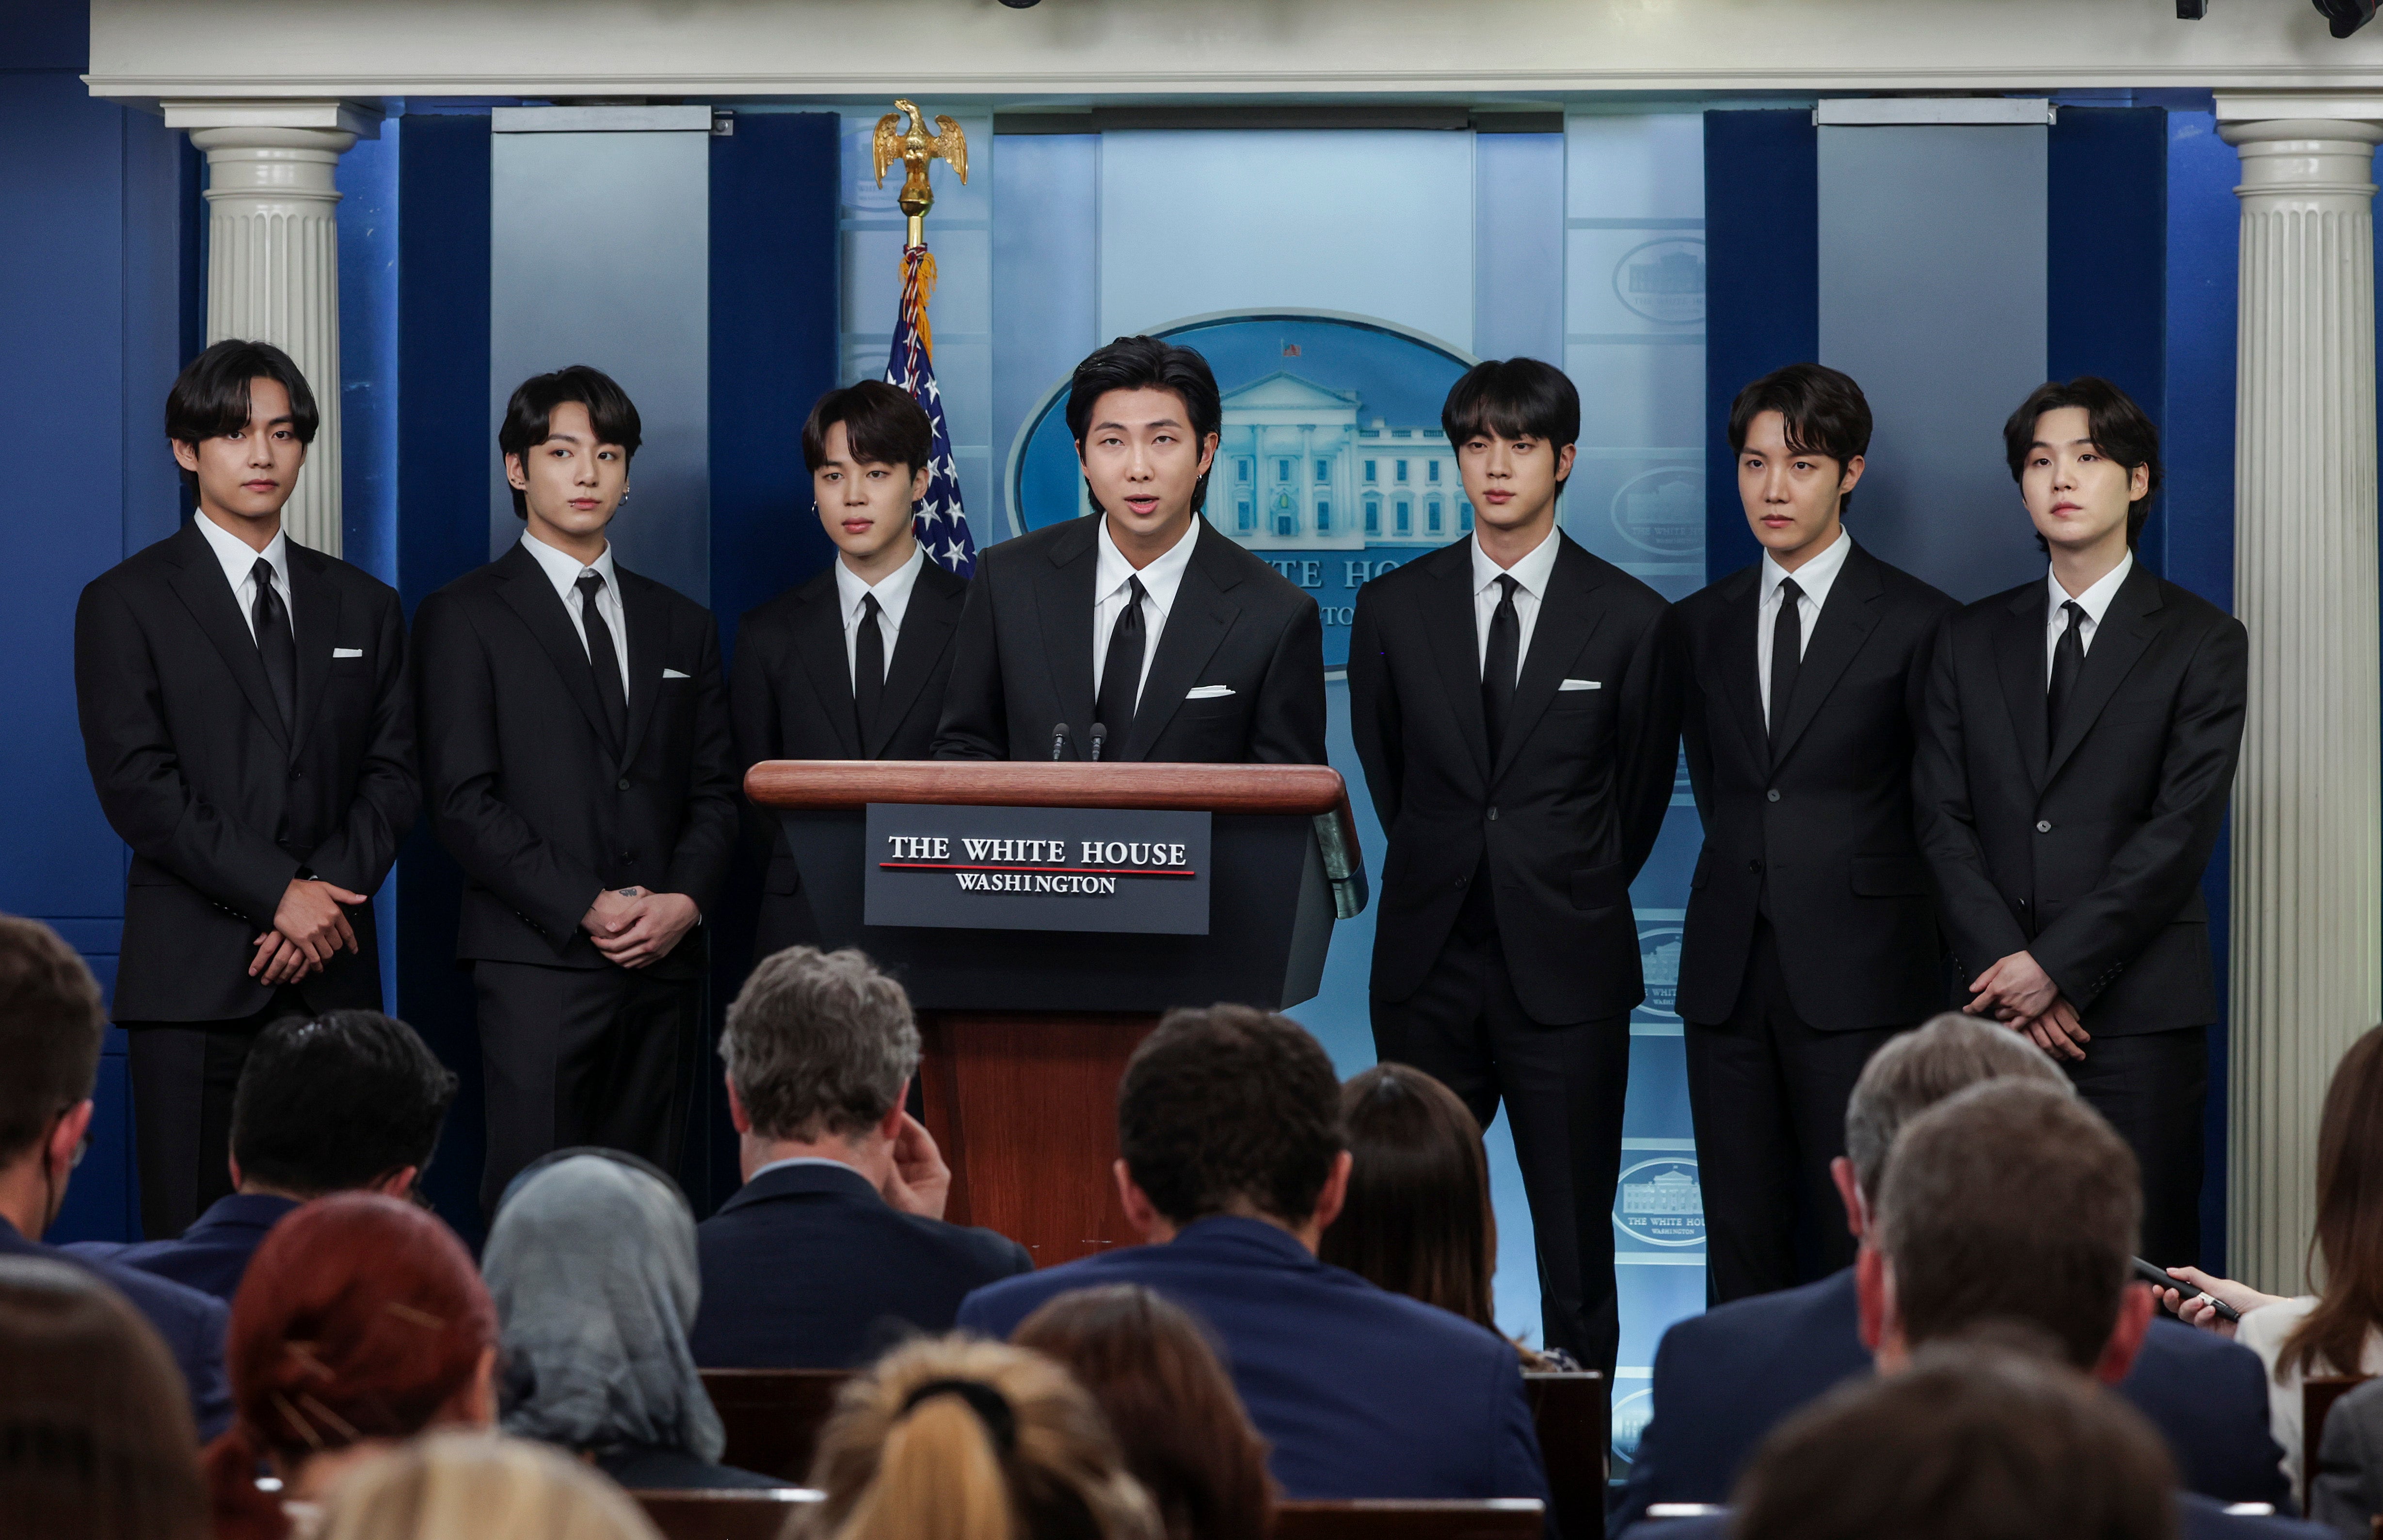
(1011, 1447)
(480, 1486)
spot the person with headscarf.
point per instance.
(592, 1264)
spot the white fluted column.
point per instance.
(272, 258)
(2308, 802)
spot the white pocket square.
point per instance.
(1207, 691)
(1579, 685)
(347, 652)
(673, 673)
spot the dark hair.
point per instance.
(210, 396)
(1975, 1441)
(1170, 1404)
(96, 1436)
(1228, 1110)
(1823, 410)
(51, 1025)
(2332, 1339)
(2011, 1199)
(1147, 363)
(1512, 398)
(1417, 1221)
(529, 416)
(336, 1101)
(2113, 422)
(883, 424)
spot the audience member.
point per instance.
(1234, 1166)
(2345, 1491)
(349, 1100)
(1417, 1219)
(1170, 1404)
(96, 1437)
(950, 1439)
(475, 1487)
(1722, 1379)
(51, 1026)
(591, 1262)
(835, 1247)
(2339, 1330)
(360, 1323)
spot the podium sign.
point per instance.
(1037, 868)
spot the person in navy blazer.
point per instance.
(51, 1025)
(835, 1247)
(1724, 1379)
(1233, 1165)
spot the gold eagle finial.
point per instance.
(915, 148)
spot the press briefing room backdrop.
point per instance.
(1667, 214)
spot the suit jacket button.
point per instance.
(2044, 826)
(625, 783)
(297, 775)
(1493, 815)
(1460, 882)
(1773, 794)
(1754, 867)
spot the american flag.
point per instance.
(940, 524)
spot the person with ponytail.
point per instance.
(360, 1324)
(950, 1438)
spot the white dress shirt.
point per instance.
(791, 1161)
(893, 593)
(240, 570)
(1814, 578)
(1159, 581)
(1530, 575)
(563, 570)
(2095, 601)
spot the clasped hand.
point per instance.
(636, 927)
(309, 928)
(2018, 993)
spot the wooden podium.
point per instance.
(1028, 1031)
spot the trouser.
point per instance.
(604, 1056)
(2152, 1086)
(1767, 1091)
(183, 1075)
(1563, 1090)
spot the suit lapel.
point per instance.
(648, 619)
(1568, 617)
(315, 601)
(198, 581)
(819, 641)
(1740, 671)
(1196, 623)
(2126, 630)
(1453, 638)
(1063, 600)
(2019, 659)
(1846, 621)
(927, 624)
(531, 596)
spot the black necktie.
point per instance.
(1500, 663)
(868, 669)
(1121, 674)
(2068, 662)
(275, 646)
(1786, 652)
(603, 659)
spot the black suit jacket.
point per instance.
(522, 786)
(1024, 659)
(1825, 820)
(790, 696)
(1570, 809)
(2086, 853)
(221, 804)
(807, 1267)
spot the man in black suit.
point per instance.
(1141, 631)
(835, 1247)
(1811, 930)
(586, 781)
(1515, 706)
(2076, 746)
(852, 664)
(251, 736)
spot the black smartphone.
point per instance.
(2157, 1277)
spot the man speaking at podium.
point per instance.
(1139, 633)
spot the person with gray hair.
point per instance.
(591, 1262)
(1725, 1378)
(835, 1247)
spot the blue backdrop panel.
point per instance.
(2105, 276)
(1518, 246)
(1045, 296)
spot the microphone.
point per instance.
(1100, 735)
(1059, 736)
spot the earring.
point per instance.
(624, 494)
